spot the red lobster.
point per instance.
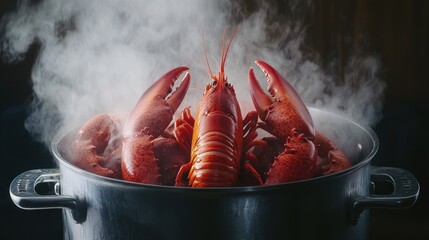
(217, 134)
(150, 154)
(288, 119)
(212, 150)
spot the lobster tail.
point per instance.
(215, 156)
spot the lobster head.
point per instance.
(220, 94)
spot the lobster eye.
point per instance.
(214, 83)
(228, 85)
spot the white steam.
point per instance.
(100, 56)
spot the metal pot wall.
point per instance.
(329, 207)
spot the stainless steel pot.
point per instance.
(329, 207)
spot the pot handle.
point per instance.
(23, 193)
(405, 191)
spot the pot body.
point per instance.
(328, 207)
(316, 208)
(308, 210)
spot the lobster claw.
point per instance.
(155, 108)
(297, 162)
(146, 122)
(284, 103)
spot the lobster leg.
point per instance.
(249, 173)
(183, 128)
(181, 175)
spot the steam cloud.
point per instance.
(100, 56)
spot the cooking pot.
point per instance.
(327, 207)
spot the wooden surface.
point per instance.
(397, 30)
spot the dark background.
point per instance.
(398, 31)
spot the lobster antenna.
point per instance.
(225, 51)
(212, 76)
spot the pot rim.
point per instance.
(124, 183)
